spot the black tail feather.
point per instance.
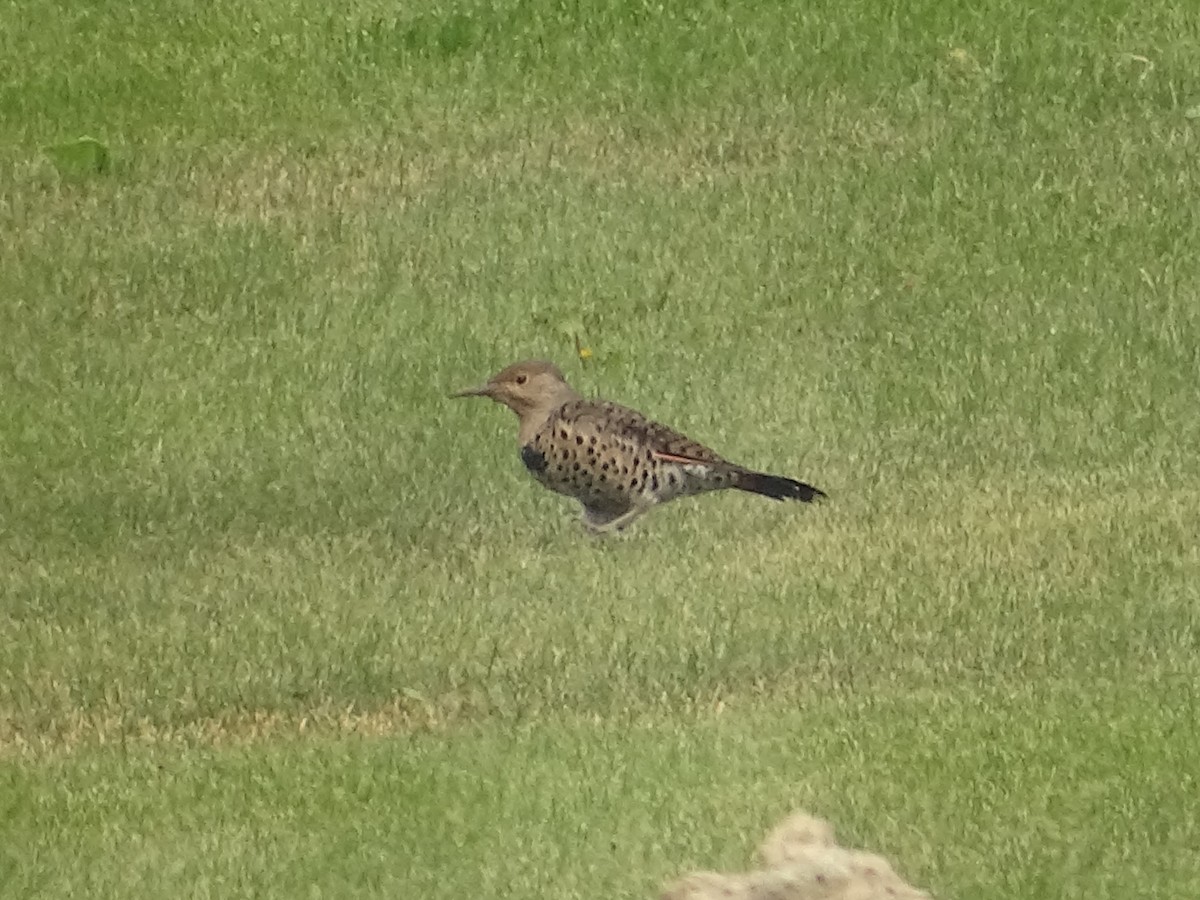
(777, 487)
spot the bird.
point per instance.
(615, 461)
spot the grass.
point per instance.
(614, 808)
(280, 618)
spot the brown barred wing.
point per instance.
(631, 429)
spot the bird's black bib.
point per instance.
(534, 459)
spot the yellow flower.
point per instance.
(585, 352)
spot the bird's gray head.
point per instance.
(527, 388)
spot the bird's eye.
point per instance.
(521, 379)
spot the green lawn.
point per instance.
(277, 618)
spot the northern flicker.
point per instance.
(613, 460)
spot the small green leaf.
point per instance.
(1193, 113)
(82, 156)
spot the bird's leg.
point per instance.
(600, 522)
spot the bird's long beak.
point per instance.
(483, 390)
